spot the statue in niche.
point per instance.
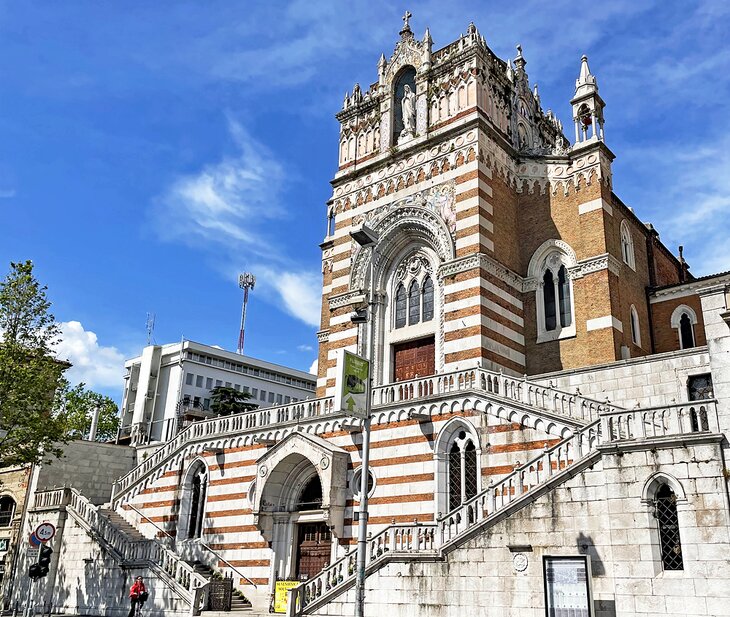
(408, 108)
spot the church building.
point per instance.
(551, 389)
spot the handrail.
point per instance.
(228, 563)
(199, 541)
(149, 520)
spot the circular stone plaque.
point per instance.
(520, 562)
(324, 463)
(263, 471)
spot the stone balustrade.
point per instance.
(515, 390)
(398, 538)
(178, 574)
(663, 421)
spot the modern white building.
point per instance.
(168, 385)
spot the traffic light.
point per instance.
(44, 559)
(34, 571)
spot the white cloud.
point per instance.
(305, 348)
(298, 292)
(230, 202)
(313, 367)
(7, 193)
(96, 365)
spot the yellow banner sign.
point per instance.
(280, 595)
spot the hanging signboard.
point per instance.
(567, 586)
(281, 594)
(351, 389)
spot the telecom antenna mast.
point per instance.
(150, 326)
(246, 281)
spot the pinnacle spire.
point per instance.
(586, 82)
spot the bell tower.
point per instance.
(587, 106)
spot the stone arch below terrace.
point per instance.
(284, 474)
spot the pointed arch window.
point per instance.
(549, 300)
(627, 246)
(198, 487)
(427, 299)
(686, 332)
(549, 272)
(635, 331)
(462, 470)
(665, 511)
(566, 316)
(414, 303)
(401, 306)
(684, 320)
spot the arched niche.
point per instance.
(405, 77)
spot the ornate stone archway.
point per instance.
(281, 476)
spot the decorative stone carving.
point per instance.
(412, 266)
(410, 220)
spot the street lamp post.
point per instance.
(366, 238)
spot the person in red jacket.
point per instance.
(138, 594)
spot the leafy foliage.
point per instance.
(79, 405)
(227, 401)
(30, 375)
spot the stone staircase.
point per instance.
(556, 465)
(118, 521)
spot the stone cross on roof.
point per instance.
(406, 16)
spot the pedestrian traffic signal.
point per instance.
(44, 559)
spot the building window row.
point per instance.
(197, 381)
(249, 370)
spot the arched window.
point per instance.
(549, 274)
(635, 332)
(414, 303)
(198, 487)
(566, 316)
(311, 496)
(686, 332)
(549, 301)
(462, 470)
(665, 511)
(400, 306)
(427, 299)
(7, 510)
(684, 320)
(627, 246)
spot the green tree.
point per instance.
(31, 426)
(227, 401)
(79, 405)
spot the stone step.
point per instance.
(120, 523)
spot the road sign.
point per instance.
(353, 380)
(45, 531)
(33, 553)
(33, 540)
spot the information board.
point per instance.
(281, 596)
(567, 588)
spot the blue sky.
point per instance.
(151, 150)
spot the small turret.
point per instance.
(428, 45)
(587, 106)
